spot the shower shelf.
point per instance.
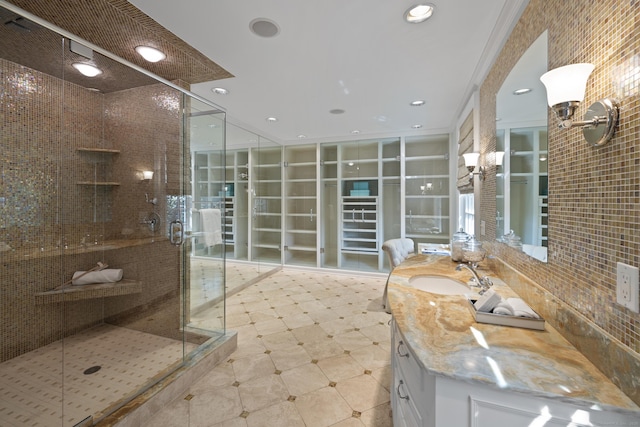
(99, 183)
(98, 150)
(82, 292)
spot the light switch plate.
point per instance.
(627, 286)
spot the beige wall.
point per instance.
(594, 194)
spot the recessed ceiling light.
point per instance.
(87, 69)
(417, 103)
(219, 90)
(151, 54)
(264, 27)
(521, 91)
(416, 126)
(355, 131)
(419, 13)
(301, 136)
(271, 119)
(337, 111)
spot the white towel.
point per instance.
(515, 307)
(109, 275)
(211, 222)
(521, 309)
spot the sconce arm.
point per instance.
(594, 122)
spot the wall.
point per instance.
(42, 208)
(594, 203)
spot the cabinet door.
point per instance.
(301, 205)
(427, 204)
(330, 206)
(359, 185)
(266, 204)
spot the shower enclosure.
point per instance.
(94, 174)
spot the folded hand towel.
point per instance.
(110, 275)
(487, 301)
(521, 309)
(211, 221)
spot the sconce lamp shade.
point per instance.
(499, 158)
(566, 84)
(147, 175)
(471, 159)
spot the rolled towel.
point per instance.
(521, 309)
(503, 308)
(110, 275)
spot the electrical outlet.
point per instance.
(627, 286)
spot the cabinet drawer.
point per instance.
(405, 412)
(409, 368)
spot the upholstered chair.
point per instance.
(397, 250)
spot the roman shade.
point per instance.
(465, 145)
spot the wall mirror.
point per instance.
(521, 173)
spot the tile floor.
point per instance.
(313, 350)
(207, 277)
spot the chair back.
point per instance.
(398, 250)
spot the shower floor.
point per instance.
(47, 386)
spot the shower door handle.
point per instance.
(176, 233)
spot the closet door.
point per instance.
(266, 203)
(359, 232)
(301, 205)
(427, 215)
(329, 206)
(391, 192)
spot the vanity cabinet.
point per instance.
(421, 399)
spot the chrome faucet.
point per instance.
(483, 282)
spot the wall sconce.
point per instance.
(499, 158)
(471, 161)
(565, 91)
(147, 175)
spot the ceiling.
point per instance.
(359, 56)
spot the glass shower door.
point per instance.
(209, 221)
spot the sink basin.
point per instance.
(439, 285)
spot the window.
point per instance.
(466, 212)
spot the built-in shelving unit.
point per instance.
(328, 205)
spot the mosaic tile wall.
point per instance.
(594, 205)
(46, 216)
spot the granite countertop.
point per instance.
(441, 331)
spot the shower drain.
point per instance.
(92, 370)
